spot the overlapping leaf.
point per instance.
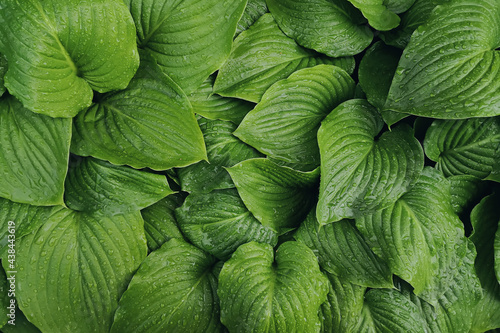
(259, 293)
(73, 270)
(450, 68)
(285, 122)
(466, 191)
(55, 61)
(334, 28)
(149, 124)
(5, 300)
(3, 70)
(279, 197)
(361, 174)
(190, 39)
(253, 11)
(94, 185)
(219, 222)
(464, 147)
(341, 250)
(174, 290)
(263, 55)
(34, 153)
(377, 14)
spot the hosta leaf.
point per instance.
(58, 51)
(212, 106)
(398, 6)
(160, 223)
(260, 293)
(3, 70)
(342, 309)
(263, 55)
(341, 250)
(219, 222)
(5, 300)
(377, 14)
(279, 197)
(95, 185)
(464, 147)
(253, 11)
(419, 236)
(285, 122)
(224, 150)
(22, 325)
(174, 290)
(190, 39)
(34, 154)
(330, 27)
(149, 124)
(450, 68)
(485, 218)
(361, 174)
(465, 191)
(77, 265)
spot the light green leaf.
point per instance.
(377, 14)
(77, 265)
(95, 185)
(3, 70)
(224, 150)
(58, 51)
(263, 55)
(465, 191)
(190, 39)
(160, 223)
(360, 174)
(253, 11)
(260, 293)
(485, 219)
(279, 197)
(219, 222)
(334, 28)
(419, 236)
(174, 290)
(34, 153)
(464, 147)
(149, 124)
(285, 122)
(342, 309)
(212, 106)
(341, 250)
(450, 68)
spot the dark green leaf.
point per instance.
(377, 14)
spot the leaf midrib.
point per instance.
(471, 145)
(152, 31)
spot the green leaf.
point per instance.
(330, 27)
(464, 147)
(342, 309)
(34, 154)
(55, 60)
(149, 124)
(22, 325)
(341, 251)
(285, 122)
(279, 197)
(485, 218)
(260, 293)
(3, 70)
(211, 106)
(160, 223)
(77, 265)
(95, 185)
(419, 236)
(377, 14)
(223, 150)
(5, 299)
(465, 191)
(450, 68)
(219, 222)
(263, 55)
(360, 174)
(190, 39)
(398, 6)
(174, 290)
(253, 11)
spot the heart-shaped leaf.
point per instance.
(174, 290)
(450, 68)
(34, 153)
(263, 55)
(58, 51)
(360, 174)
(259, 293)
(190, 39)
(149, 124)
(285, 122)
